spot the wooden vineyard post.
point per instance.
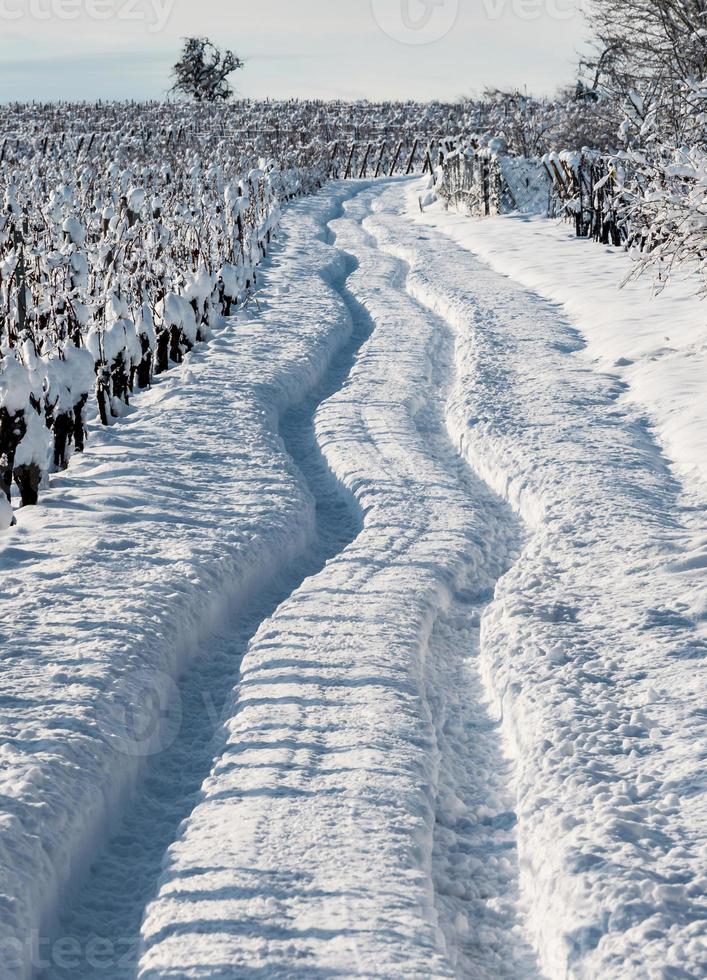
(428, 163)
(485, 177)
(548, 171)
(347, 173)
(579, 189)
(411, 158)
(364, 165)
(469, 179)
(504, 188)
(559, 182)
(20, 280)
(333, 158)
(596, 205)
(380, 160)
(395, 159)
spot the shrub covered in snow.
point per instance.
(666, 210)
(653, 203)
(484, 179)
(651, 68)
(117, 254)
(127, 231)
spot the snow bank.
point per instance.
(126, 566)
(594, 645)
(349, 827)
(656, 345)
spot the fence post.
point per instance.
(347, 173)
(333, 158)
(395, 159)
(20, 278)
(380, 160)
(411, 158)
(362, 172)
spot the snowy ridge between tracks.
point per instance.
(360, 817)
(595, 642)
(655, 344)
(344, 831)
(133, 558)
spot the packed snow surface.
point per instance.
(371, 644)
(654, 340)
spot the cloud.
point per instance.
(308, 48)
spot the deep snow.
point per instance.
(335, 835)
(654, 341)
(595, 644)
(441, 577)
(136, 555)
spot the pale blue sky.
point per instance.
(71, 49)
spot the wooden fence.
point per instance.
(587, 191)
(387, 159)
(583, 188)
(475, 181)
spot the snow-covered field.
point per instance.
(655, 344)
(377, 649)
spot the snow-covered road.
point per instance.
(450, 719)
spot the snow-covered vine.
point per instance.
(116, 257)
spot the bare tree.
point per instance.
(652, 58)
(651, 65)
(202, 72)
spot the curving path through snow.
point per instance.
(111, 900)
(409, 589)
(359, 820)
(589, 651)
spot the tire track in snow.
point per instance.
(474, 860)
(583, 645)
(100, 926)
(474, 866)
(358, 822)
(474, 852)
